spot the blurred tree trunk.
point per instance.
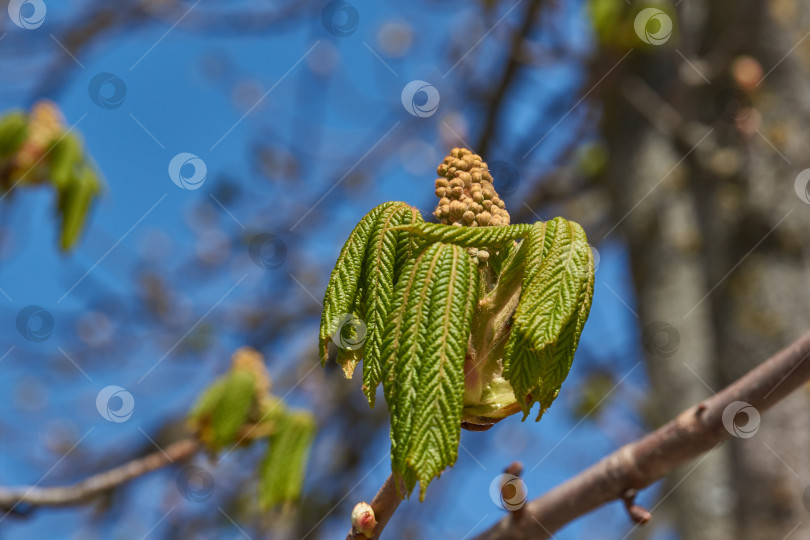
(718, 241)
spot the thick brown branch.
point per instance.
(81, 492)
(695, 431)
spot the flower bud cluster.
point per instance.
(467, 196)
(45, 124)
(251, 360)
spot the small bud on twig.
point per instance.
(363, 520)
(638, 514)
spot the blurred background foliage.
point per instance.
(36, 148)
(678, 157)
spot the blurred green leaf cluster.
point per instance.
(238, 409)
(614, 21)
(36, 149)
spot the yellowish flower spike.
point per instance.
(467, 196)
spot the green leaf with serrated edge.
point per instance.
(549, 297)
(468, 236)
(400, 340)
(553, 373)
(349, 357)
(281, 473)
(544, 350)
(499, 256)
(538, 244)
(408, 246)
(539, 351)
(513, 270)
(425, 341)
(384, 251)
(341, 292)
(437, 428)
(223, 408)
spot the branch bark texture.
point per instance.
(697, 430)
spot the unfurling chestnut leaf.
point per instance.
(464, 322)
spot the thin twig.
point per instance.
(91, 487)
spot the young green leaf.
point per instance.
(468, 236)
(384, 252)
(554, 373)
(341, 296)
(538, 243)
(551, 288)
(513, 269)
(423, 361)
(281, 474)
(546, 326)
